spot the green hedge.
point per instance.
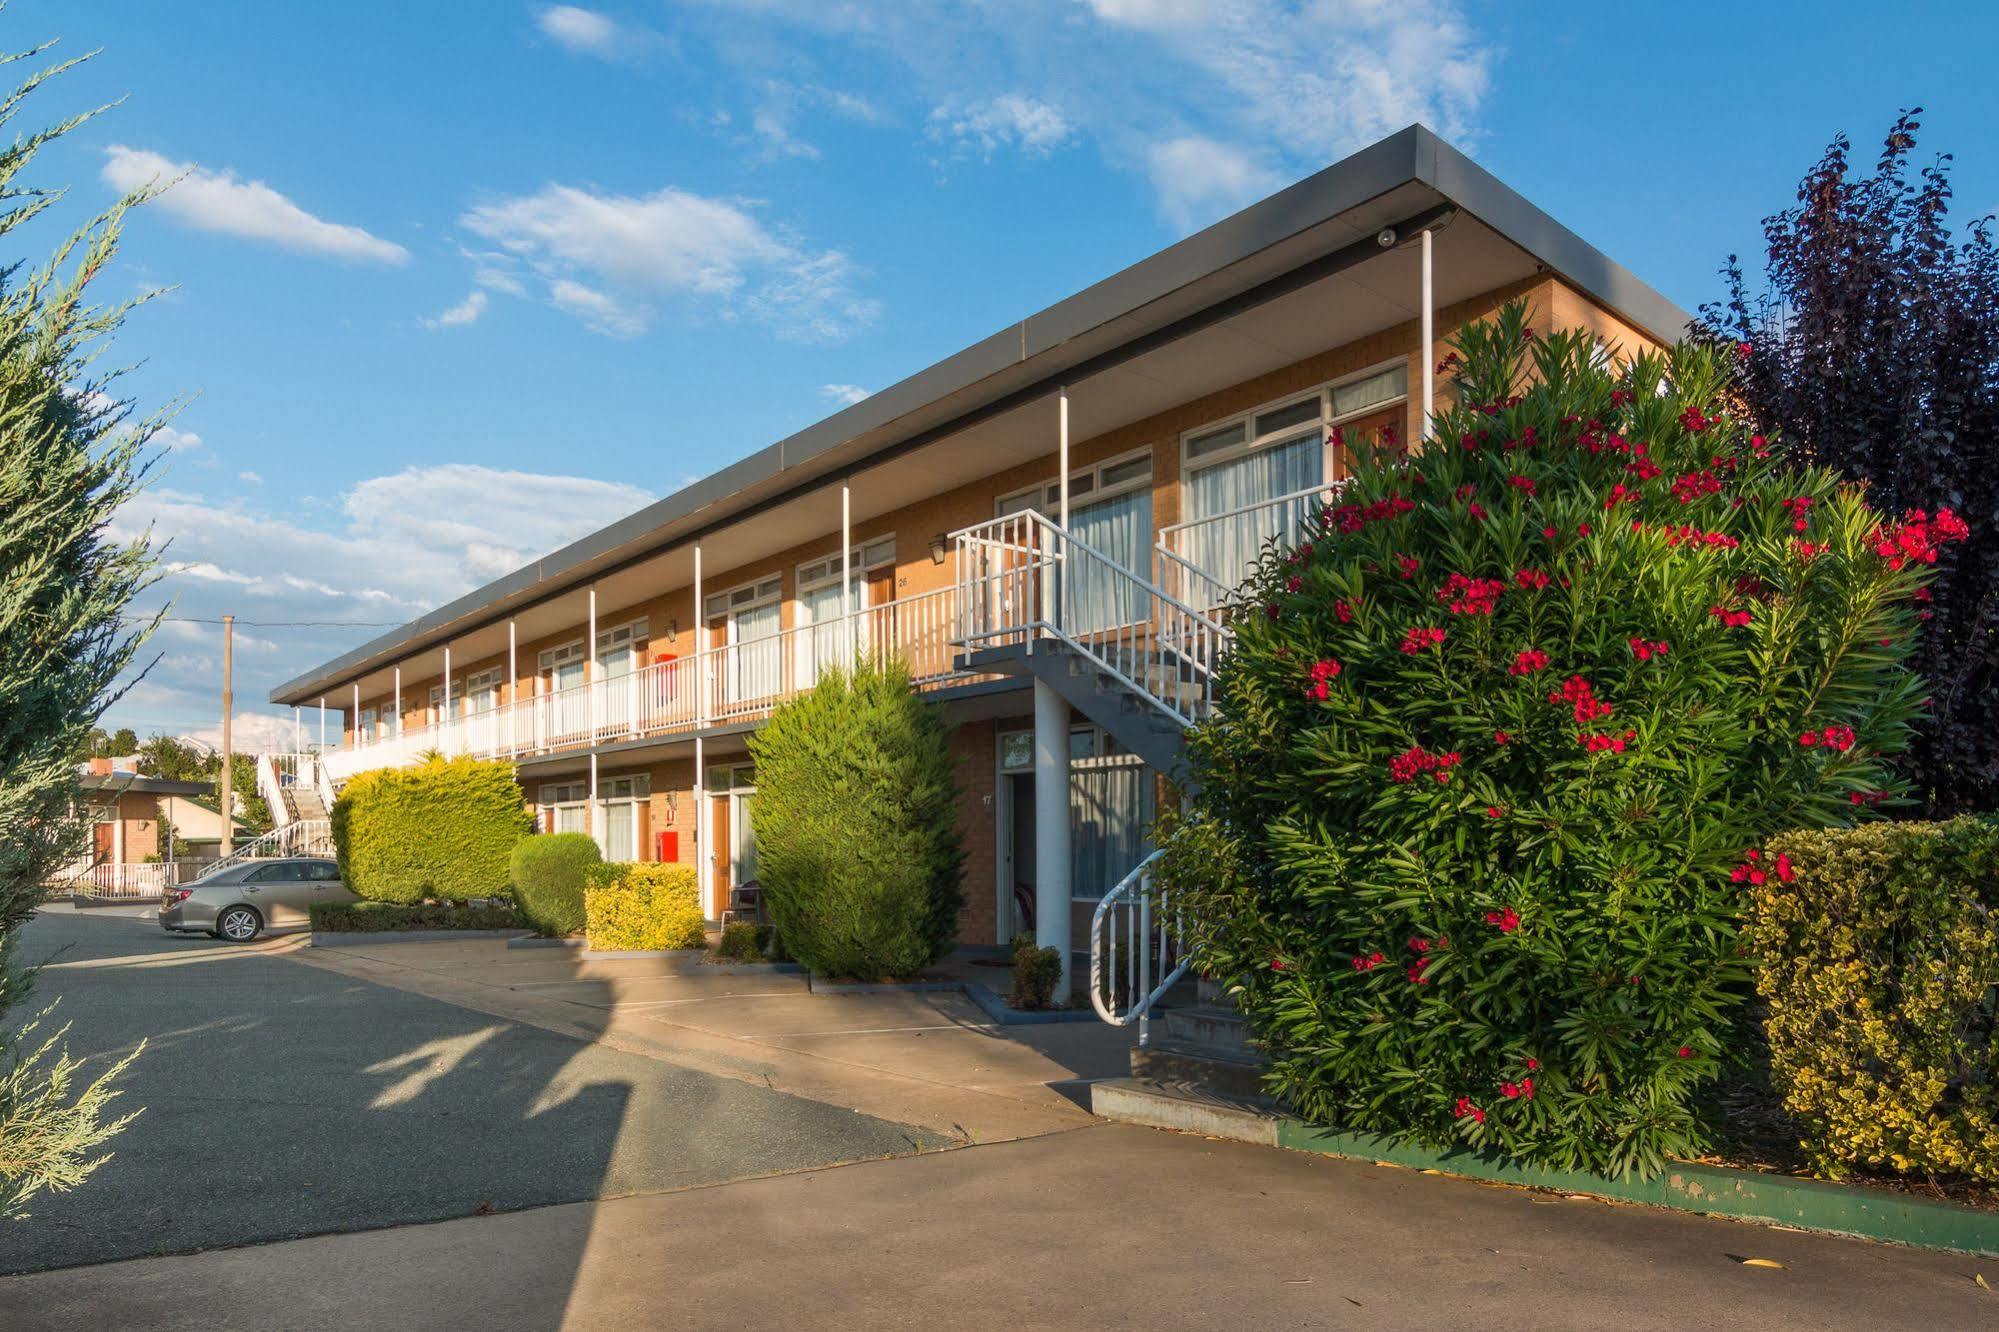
(744, 941)
(643, 908)
(856, 821)
(548, 875)
(1879, 962)
(380, 917)
(442, 829)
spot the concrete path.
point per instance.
(283, 1100)
(1104, 1227)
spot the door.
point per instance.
(280, 894)
(326, 886)
(1017, 913)
(742, 839)
(753, 653)
(824, 645)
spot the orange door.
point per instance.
(1378, 430)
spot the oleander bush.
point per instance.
(1879, 961)
(856, 821)
(1499, 749)
(381, 917)
(548, 874)
(643, 907)
(442, 829)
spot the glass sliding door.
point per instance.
(1119, 529)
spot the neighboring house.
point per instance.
(1202, 401)
(197, 824)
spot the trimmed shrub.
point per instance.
(442, 829)
(1498, 749)
(856, 821)
(548, 874)
(376, 917)
(1879, 959)
(631, 907)
(744, 941)
(1036, 973)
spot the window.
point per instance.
(620, 807)
(1256, 477)
(277, 873)
(1110, 511)
(752, 659)
(482, 691)
(367, 726)
(562, 667)
(621, 650)
(317, 872)
(567, 804)
(821, 606)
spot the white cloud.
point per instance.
(609, 258)
(1008, 120)
(254, 732)
(846, 395)
(392, 547)
(584, 31)
(216, 200)
(782, 104)
(250, 478)
(465, 312)
(1288, 85)
(1198, 180)
(177, 441)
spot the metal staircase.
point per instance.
(1134, 659)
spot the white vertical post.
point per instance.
(399, 702)
(118, 840)
(596, 811)
(1062, 550)
(1429, 340)
(298, 732)
(847, 572)
(322, 721)
(702, 860)
(444, 708)
(513, 694)
(701, 857)
(590, 686)
(354, 717)
(1051, 826)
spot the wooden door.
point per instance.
(1382, 430)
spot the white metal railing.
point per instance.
(1022, 578)
(1135, 950)
(136, 881)
(1204, 560)
(306, 837)
(733, 683)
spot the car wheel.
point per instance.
(238, 924)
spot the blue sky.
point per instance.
(456, 283)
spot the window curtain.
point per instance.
(1121, 530)
(1226, 549)
(617, 819)
(753, 656)
(1110, 822)
(568, 818)
(826, 644)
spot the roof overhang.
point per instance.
(1302, 271)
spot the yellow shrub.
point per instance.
(1879, 962)
(643, 908)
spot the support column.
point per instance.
(399, 702)
(590, 689)
(354, 717)
(1051, 826)
(322, 721)
(444, 708)
(1429, 341)
(595, 823)
(847, 573)
(1061, 608)
(513, 695)
(703, 861)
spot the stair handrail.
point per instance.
(305, 837)
(1167, 555)
(1146, 916)
(1190, 635)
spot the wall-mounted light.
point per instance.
(937, 549)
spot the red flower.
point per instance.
(1529, 662)
(1502, 738)
(1533, 580)
(1522, 483)
(1505, 921)
(1686, 1052)
(1415, 972)
(1548, 533)
(1277, 964)
(1533, 1064)
(1368, 962)
(1465, 595)
(1693, 485)
(1733, 619)
(1603, 742)
(1527, 1084)
(1418, 944)
(1324, 671)
(1466, 1110)
(1582, 529)
(1293, 583)
(1579, 693)
(1418, 639)
(1494, 812)
(1619, 397)
(1694, 421)
(1866, 797)
(1645, 651)
(1409, 564)
(1917, 537)
(1642, 468)
(1622, 494)
(1510, 1090)
(1415, 761)
(1344, 611)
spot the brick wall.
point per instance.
(972, 752)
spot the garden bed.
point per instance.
(450, 919)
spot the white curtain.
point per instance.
(1120, 529)
(618, 822)
(1110, 822)
(742, 840)
(753, 655)
(568, 818)
(826, 645)
(1227, 548)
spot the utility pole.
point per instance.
(228, 706)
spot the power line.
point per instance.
(268, 624)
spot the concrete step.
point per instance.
(1217, 1028)
(1169, 1104)
(1237, 1074)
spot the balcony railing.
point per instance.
(734, 683)
(1203, 561)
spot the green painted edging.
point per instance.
(1746, 1195)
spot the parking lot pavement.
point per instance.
(283, 1100)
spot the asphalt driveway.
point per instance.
(283, 1100)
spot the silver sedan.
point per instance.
(252, 898)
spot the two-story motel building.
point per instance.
(1040, 524)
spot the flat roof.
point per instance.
(1025, 353)
(120, 782)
